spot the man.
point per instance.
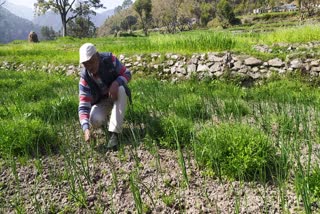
(103, 92)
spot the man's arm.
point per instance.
(84, 104)
(124, 74)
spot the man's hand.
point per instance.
(87, 135)
(113, 90)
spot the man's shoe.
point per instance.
(113, 143)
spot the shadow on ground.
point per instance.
(131, 135)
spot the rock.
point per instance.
(276, 62)
(251, 61)
(296, 63)
(218, 73)
(191, 68)
(202, 68)
(237, 66)
(216, 67)
(213, 58)
(33, 37)
(314, 63)
(315, 69)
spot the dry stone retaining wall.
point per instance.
(209, 65)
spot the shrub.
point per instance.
(26, 137)
(235, 151)
(214, 23)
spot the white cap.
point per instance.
(86, 51)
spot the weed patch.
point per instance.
(235, 151)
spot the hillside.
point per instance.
(53, 20)
(18, 10)
(13, 27)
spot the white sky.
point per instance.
(109, 4)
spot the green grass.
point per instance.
(33, 106)
(234, 133)
(65, 50)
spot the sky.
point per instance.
(109, 4)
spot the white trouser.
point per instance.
(101, 111)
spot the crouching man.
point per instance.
(103, 93)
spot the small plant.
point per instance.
(174, 126)
(314, 182)
(235, 151)
(168, 200)
(181, 158)
(136, 193)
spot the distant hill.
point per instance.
(50, 19)
(53, 20)
(100, 18)
(18, 10)
(13, 27)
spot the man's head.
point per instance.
(89, 57)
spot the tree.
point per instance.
(117, 9)
(48, 33)
(206, 13)
(309, 6)
(167, 14)
(81, 27)
(126, 4)
(2, 2)
(67, 9)
(225, 12)
(143, 8)
(128, 22)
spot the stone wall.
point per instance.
(214, 65)
(209, 65)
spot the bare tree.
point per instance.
(2, 3)
(67, 9)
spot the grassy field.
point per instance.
(250, 134)
(265, 134)
(65, 50)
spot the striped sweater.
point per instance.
(122, 75)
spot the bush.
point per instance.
(26, 137)
(215, 23)
(235, 151)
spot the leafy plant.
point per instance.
(235, 150)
